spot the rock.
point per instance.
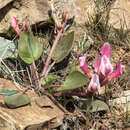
(80, 9)
(29, 117)
(35, 11)
(120, 14)
(123, 101)
(3, 3)
(38, 10)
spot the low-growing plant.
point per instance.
(102, 74)
(30, 49)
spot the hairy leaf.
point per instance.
(93, 105)
(64, 47)
(29, 48)
(74, 80)
(7, 49)
(16, 100)
(49, 79)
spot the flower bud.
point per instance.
(15, 26)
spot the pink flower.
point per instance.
(15, 26)
(83, 65)
(94, 85)
(102, 67)
(106, 66)
(117, 73)
(106, 50)
(96, 64)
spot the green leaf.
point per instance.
(49, 80)
(7, 49)
(16, 100)
(73, 66)
(8, 92)
(64, 47)
(74, 80)
(29, 48)
(93, 105)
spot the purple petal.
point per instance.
(83, 65)
(94, 85)
(106, 66)
(118, 72)
(14, 22)
(15, 26)
(106, 50)
(96, 63)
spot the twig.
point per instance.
(50, 55)
(17, 85)
(29, 76)
(56, 103)
(12, 74)
(35, 75)
(49, 68)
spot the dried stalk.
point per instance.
(35, 75)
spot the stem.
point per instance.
(79, 94)
(49, 68)
(50, 55)
(105, 81)
(34, 75)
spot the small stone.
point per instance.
(44, 102)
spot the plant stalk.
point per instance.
(34, 75)
(59, 34)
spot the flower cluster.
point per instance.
(103, 69)
(25, 26)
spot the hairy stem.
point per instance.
(59, 34)
(79, 94)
